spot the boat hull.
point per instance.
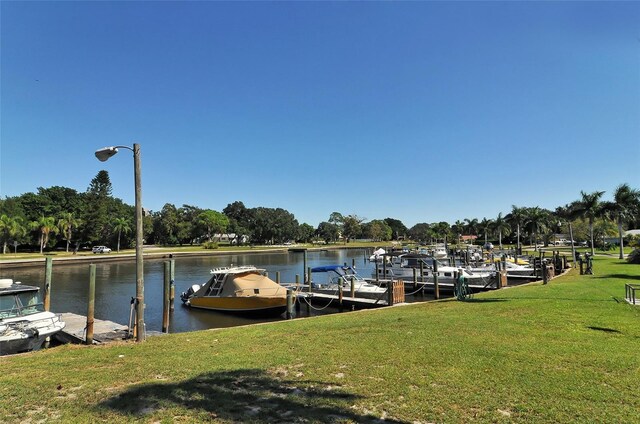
(254, 306)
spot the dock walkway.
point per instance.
(103, 331)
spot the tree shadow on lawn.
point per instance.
(245, 396)
(621, 276)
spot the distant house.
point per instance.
(230, 238)
(468, 238)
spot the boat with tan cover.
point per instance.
(240, 289)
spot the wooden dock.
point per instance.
(103, 331)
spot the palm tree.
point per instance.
(458, 229)
(46, 226)
(589, 207)
(537, 220)
(121, 225)
(485, 226)
(10, 229)
(625, 206)
(567, 213)
(67, 224)
(471, 226)
(502, 227)
(517, 217)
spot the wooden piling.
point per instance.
(377, 273)
(278, 277)
(91, 305)
(353, 286)
(436, 287)
(415, 279)
(48, 268)
(172, 294)
(289, 303)
(165, 297)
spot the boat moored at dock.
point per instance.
(24, 324)
(243, 290)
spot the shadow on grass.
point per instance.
(244, 396)
(485, 300)
(621, 276)
(605, 329)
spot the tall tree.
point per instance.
(214, 222)
(67, 224)
(517, 217)
(97, 199)
(624, 208)
(502, 227)
(45, 226)
(121, 225)
(421, 232)
(485, 227)
(10, 230)
(536, 221)
(398, 229)
(351, 227)
(589, 207)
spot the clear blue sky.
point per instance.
(417, 111)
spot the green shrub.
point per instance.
(210, 245)
(634, 257)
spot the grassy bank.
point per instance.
(564, 352)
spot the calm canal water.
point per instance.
(115, 285)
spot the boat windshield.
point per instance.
(20, 304)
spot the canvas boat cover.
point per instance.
(251, 284)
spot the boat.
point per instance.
(377, 255)
(243, 290)
(424, 263)
(24, 324)
(329, 278)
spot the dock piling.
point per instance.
(48, 267)
(91, 305)
(165, 298)
(172, 294)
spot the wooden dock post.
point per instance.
(340, 295)
(278, 277)
(91, 306)
(172, 294)
(415, 279)
(48, 267)
(353, 286)
(306, 272)
(436, 286)
(289, 314)
(165, 297)
(377, 273)
(390, 293)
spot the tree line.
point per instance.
(60, 217)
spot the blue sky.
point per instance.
(419, 111)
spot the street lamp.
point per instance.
(103, 155)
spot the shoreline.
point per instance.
(164, 254)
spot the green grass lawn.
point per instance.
(568, 351)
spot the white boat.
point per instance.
(377, 255)
(425, 264)
(329, 278)
(242, 289)
(24, 324)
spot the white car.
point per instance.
(100, 249)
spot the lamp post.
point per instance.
(103, 155)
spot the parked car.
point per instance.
(101, 249)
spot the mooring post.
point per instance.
(415, 279)
(436, 286)
(172, 294)
(165, 297)
(306, 276)
(91, 306)
(390, 293)
(289, 303)
(353, 262)
(377, 273)
(353, 286)
(48, 267)
(278, 277)
(340, 295)
(545, 276)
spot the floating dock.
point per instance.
(104, 331)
